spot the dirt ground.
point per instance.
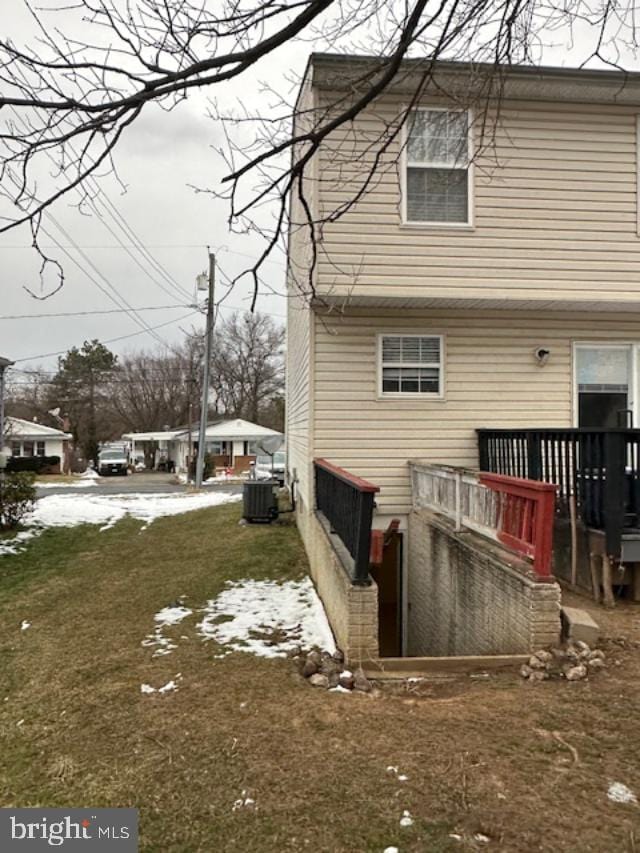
(492, 763)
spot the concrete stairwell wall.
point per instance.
(469, 596)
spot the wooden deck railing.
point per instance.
(518, 513)
(599, 469)
(347, 503)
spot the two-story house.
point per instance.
(488, 278)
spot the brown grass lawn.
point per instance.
(526, 765)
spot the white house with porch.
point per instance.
(232, 444)
(29, 438)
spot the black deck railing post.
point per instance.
(614, 490)
(534, 456)
(364, 515)
(483, 449)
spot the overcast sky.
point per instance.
(159, 158)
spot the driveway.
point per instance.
(145, 483)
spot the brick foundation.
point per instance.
(469, 596)
(352, 610)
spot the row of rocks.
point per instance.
(575, 662)
(327, 671)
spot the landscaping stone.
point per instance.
(310, 668)
(576, 673)
(334, 679)
(578, 625)
(347, 680)
(573, 662)
(319, 680)
(361, 682)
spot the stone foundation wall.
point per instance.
(469, 596)
(352, 610)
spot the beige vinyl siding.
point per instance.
(554, 211)
(299, 390)
(491, 379)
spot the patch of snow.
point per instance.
(406, 819)
(401, 777)
(89, 474)
(106, 510)
(243, 802)
(267, 618)
(78, 484)
(455, 836)
(483, 839)
(339, 689)
(15, 545)
(172, 615)
(390, 850)
(24, 625)
(166, 688)
(619, 793)
(20, 723)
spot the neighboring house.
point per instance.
(470, 286)
(232, 444)
(28, 438)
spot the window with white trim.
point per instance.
(437, 167)
(411, 364)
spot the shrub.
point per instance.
(208, 470)
(17, 497)
(32, 463)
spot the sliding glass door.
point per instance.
(605, 380)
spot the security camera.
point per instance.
(541, 355)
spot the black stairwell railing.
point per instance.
(598, 468)
(347, 503)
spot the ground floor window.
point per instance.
(605, 379)
(40, 448)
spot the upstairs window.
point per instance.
(411, 364)
(437, 167)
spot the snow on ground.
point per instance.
(169, 687)
(267, 618)
(106, 510)
(89, 474)
(10, 547)
(619, 793)
(78, 483)
(171, 615)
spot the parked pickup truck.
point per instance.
(113, 462)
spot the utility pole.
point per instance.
(4, 459)
(202, 435)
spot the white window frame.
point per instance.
(405, 164)
(410, 395)
(633, 348)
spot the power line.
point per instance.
(117, 217)
(120, 300)
(89, 313)
(109, 341)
